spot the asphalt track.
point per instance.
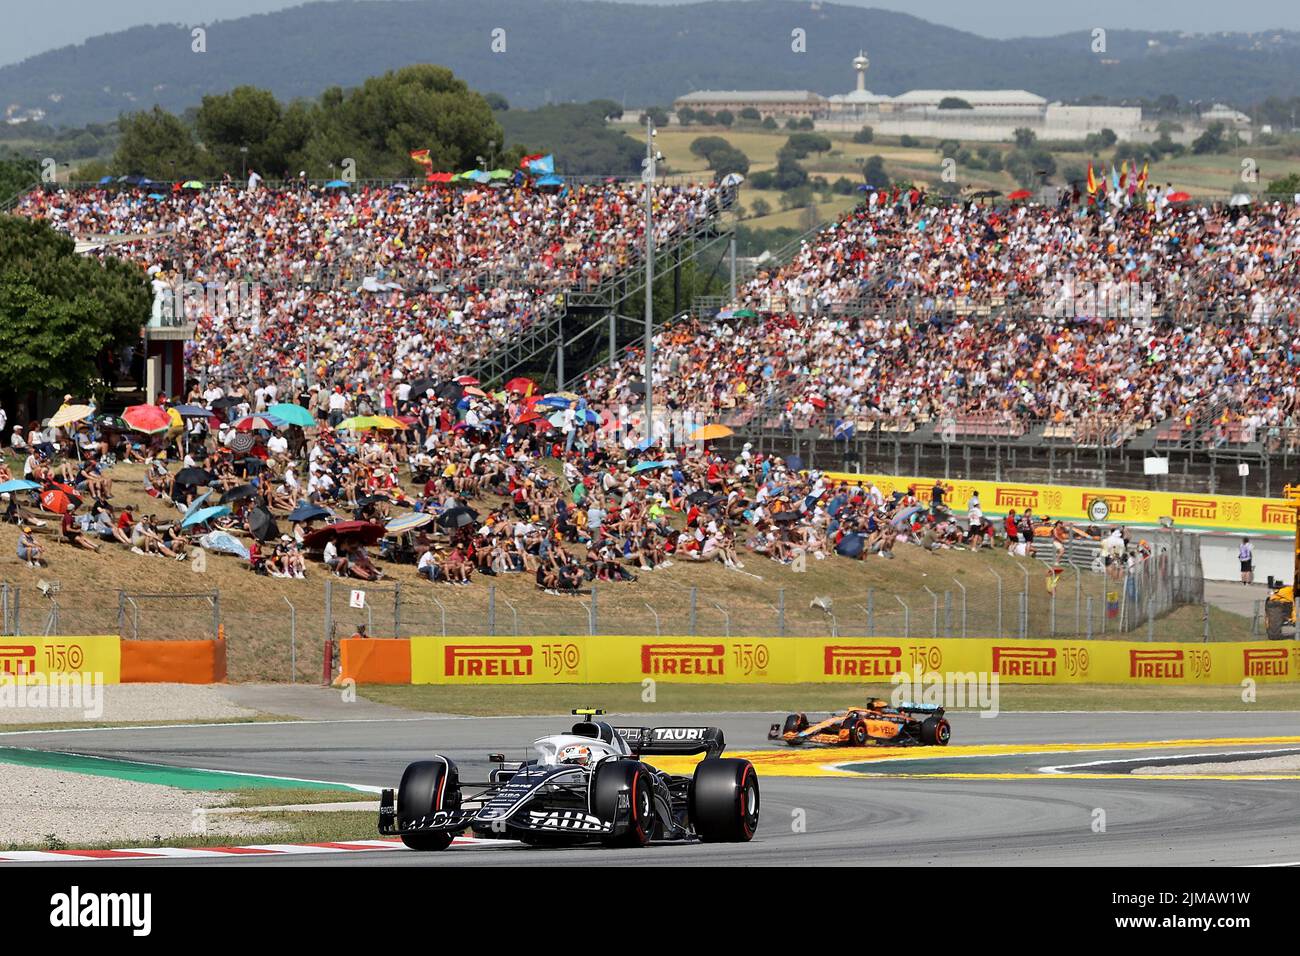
(986, 802)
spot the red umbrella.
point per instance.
(524, 386)
(467, 380)
(149, 419)
(1020, 194)
(55, 501)
(345, 532)
(1179, 197)
(253, 423)
(526, 417)
(817, 401)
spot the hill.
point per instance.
(559, 51)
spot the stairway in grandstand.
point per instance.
(583, 312)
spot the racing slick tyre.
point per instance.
(936, 732)
(859, 735)
(427, 786)
(616, 777)
(724, 800)
(794, 724)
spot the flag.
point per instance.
(1123, 175)
(421, 156)
(1142, 179)
(542, 165)
(1114, 178)
(527, 160)
(1092, 179)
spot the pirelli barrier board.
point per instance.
(789, 660)
(110, 660)
(1100, 505)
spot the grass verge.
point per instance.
(108, 724)
(778, 698)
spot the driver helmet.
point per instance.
(577, 754)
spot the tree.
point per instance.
(949, 147)
(157, 144)
(657, 114)
(16, 174)
(864, 135)
(727, 161)
(769, 122)
(792, 124)
(1210, 141)
(759, 208)
(908, 142)
(686, 116)
(1288, 185)
(1024, 137)
(584, 144)
(496, 102)
(750, 115)
(873, 172)
(704, 117)
(60, 312)
(801, 144)
(706, 146)
(724, 117)
(789, 174)
(244, 117)
(805, 123)
(609, 109)
(954, 103)
(1108, 137)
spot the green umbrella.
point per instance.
(360, 423)
(745, 314)
(292, 414)
(192, 184)
(500, 174)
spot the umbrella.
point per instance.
(409, 522)
(241, 441)
(475, 391)
(467, 380)
(651, 465)
(366, 501)
(555, 401)
(228, 401)
(192, 411)
(204, 514)
(197, 503)
(56, 501)
(223, 542)
(149, 419)
(522, 385)
(422, 385)
(257, 423)
(526, 417)
(457, 517)
(358, 423)
(850, 546)
(292, 414)
(1018, 194)
(18, 484)
(450, 391)
(699, 497)
(637, 388)
(309, 512)
(193, 477)
(794, 463)
(337, 184)
(191, 184)
(262, 524)
(785, 517)
(1179, 197)
(710, 432)
(905, 517)
(69, 414)
(361, 532)
(389, 423)
(239, 493)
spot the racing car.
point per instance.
(877, 724)
(587, 785)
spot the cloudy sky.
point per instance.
(36, 28)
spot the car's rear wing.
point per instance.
(908, 707)
(674, 740)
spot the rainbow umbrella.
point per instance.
(69, 414)
(150, 419)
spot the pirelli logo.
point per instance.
(1024, 661)
(488, 660)
(1016, 498)
(1195, 508)
(1157, 665)
(1266, 662)
(683, 659)
(1282, 516)
(17, 659)
(858, 661)
(1116, 503)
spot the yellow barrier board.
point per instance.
(1117, 505)
(22, 658)
(792, 660)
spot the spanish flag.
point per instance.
(1092, 179)
(421, 156)
(1142, 178)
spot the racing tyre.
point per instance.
(427, 786)
(859, 736)
(724, 800)
(617, 777)
(794, 724)
(936, 732)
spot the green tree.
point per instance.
(1024, 137)
(1210, 141)
(760, 208)
(496, 102)
(706, 146)
(864, 135)
(954, 103)
(750, 115)
(724, 117)
(1288, 185)
(727, 161)
(873, 172)
(801, 144)
(159, 145)
(60, 312)
(16, 174)
(789, 174)
(657, 114)
(244, 117)
(686, 116)
(769, 122)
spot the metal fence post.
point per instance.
(293, 641)
(216, 614)
(694, 593)
(907, 617)
(492, 610)
(1051, 613)
(1089, 600)
(121, 612)
(329, 607)
(595, 618)
(999, 577)
(1151, 619)
(935, 601)
(780, 613)
(4, 607)
(871, 612)
(963, 607)
(397, 609)
(1205, 622)
(1078, 590)
(1024, 614)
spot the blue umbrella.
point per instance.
(224, 543)
(106, 180)
(794, 463)
(416, 519)
(309, 512)
(551, 180)
(192, 411)
(591, 417)
(555, 401)
(337, 184)
(850, 546)
(292, 414)
(651, 465)
(19, 484)
(205, 514)
(197, 503)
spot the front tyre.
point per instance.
(936, 732)
(724, 800)
(427, 786)
(625, 777)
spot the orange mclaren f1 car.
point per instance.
(877, 724)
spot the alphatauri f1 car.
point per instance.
(587, 785)
(876, 724)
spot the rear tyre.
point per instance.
(625, 777)
(427, 786)
(795, 724)
(859, 735)
(724, 800)
(936, 732)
